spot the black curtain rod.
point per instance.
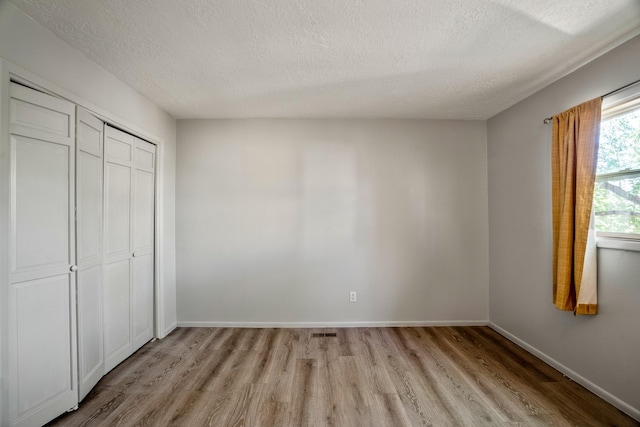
(620, 88)
(548, 120)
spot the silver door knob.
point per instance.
(74, 268)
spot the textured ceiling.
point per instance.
(441, 59)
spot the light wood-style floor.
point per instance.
(446, 376)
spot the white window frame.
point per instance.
(613, 106)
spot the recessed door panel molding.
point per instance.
(144, 212)
(39, 346)
(42, 355)
(119, 146)
(89, 226)
(118, 193)
(39, 118)
(144, 159)
(37, 115)
(118, 196)
(89, 207)
(145, 155)
(40, 185)
(142, 299)
(90, 129)
(90, 328)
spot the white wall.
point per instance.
(277, 220)
(29, 45)
(603, 349)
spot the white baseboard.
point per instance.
(623, 406)
(376, 324)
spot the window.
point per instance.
(617, 192)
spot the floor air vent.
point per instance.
(320, 334)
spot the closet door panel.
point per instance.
(118, 292)
(89, 249)
(143, 242)
(42, 355)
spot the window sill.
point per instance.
(621, 244)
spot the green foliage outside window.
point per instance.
(617, 199)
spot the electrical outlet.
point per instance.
(352, 296)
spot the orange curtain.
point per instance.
(574, 160)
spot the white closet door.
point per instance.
(118, 176)
(89, 152)
(42, 364)
(143, 242)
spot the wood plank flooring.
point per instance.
(445, 376)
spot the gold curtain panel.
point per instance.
(574, 160)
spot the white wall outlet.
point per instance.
(352, 296)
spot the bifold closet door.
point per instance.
(129, 244)
(89, 159)
(42, 352)
(118, 201)
(143, 242)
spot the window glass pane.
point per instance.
(616, 205)
(619, 143)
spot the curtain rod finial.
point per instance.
(548, 120)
